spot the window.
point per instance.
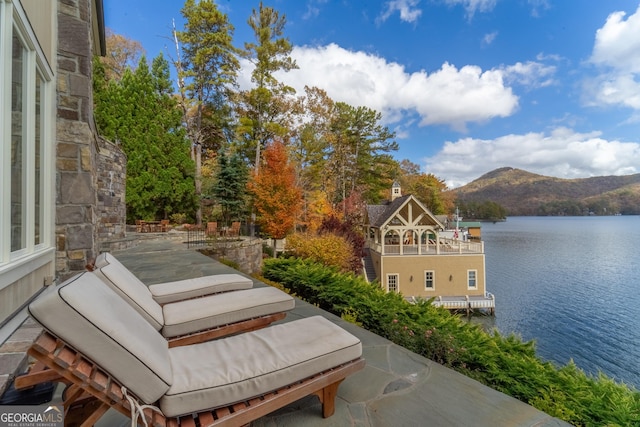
(26, 138)
(18, 139)
(429, 280)
(472, 282)
(392, 283)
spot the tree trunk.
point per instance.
(198, 180)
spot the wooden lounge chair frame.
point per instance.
(39, 373)
(92, 391)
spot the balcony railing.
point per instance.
(446, 247)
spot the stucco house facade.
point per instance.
(61, 186)
(409, 256)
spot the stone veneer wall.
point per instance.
(112, 172)
(76, 154)
(246, 252)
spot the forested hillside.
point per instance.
(525, 193)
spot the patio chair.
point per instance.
(182, 312)
(113, 358)
(202, 316)
(212, 229)
(234, 230)
(112, 269)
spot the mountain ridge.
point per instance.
(525, 193)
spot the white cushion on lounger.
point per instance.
(186, 317)
(233, 369)
(133, 291)
(178, 290)
(96, 321)
(168, 292)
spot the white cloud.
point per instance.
(618, 43)
(537, 5)
(489, 38)
(617, 51)
(531, 74)
(449, 96)
(471, 6)
(409, 12)
(561, 153)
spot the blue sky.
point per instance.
(549, 86)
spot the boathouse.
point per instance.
(405, 253)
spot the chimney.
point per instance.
(395, 191)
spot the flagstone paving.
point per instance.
(397, 387)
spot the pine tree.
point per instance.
(265, 112)
(206, 77)
(229, 190)
(139, 112)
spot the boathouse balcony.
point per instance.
(441, 246)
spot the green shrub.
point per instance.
(505, 363)
(178, 218)
(230, 263)
(267, 250)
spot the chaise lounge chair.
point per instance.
(113, 358)
(200, 317)
(186, 317)
(178, 290)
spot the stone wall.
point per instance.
(112, 172)
(247, 252)
(76, 150)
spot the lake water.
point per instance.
(572, 284)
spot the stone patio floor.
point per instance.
(397, 387)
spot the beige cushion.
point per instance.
(179, 290)
(101, 325)
(132, 290)
(221, 372)
(186, 317)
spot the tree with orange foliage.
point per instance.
(277, 198)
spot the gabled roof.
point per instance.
(378, 215)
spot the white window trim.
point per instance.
(433, 279)
(397, 282)
(13, 16)
(476, 280)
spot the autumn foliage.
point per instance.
(327, 249)
(277, 199)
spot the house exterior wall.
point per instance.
(112, 173)
(475, 232)
(77, 144)
(450, 274)
(43, 18)
(376, 258)
(49, 160)
(27, 145)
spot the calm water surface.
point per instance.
(572, 284)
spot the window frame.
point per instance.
(474, 279)
(433, 280)
(36, 71)
(397, 280)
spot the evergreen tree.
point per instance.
(266, 111)
(139, 112)
(229, 190)
(359, 153)
(206, 74)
